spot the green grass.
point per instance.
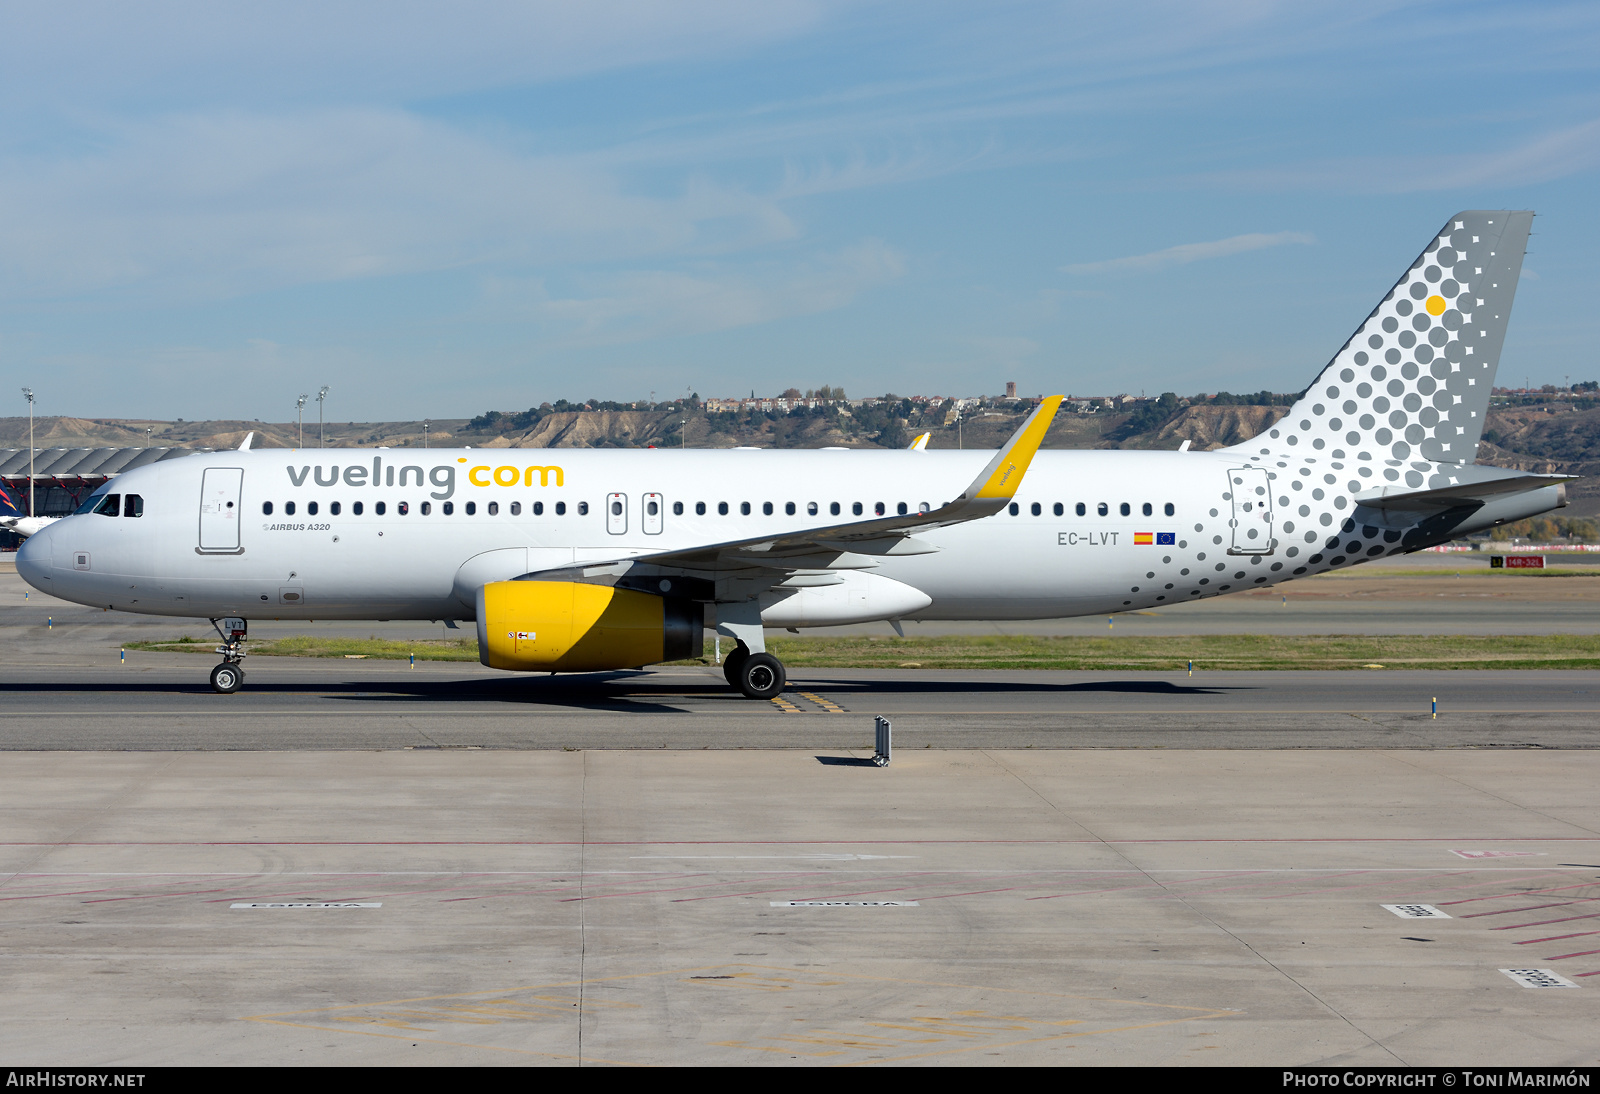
(1111, 652)
(1210, 652)
(377, 649)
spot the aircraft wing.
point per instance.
(852, 545)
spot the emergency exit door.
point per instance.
(221, 490)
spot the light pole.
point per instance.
(28, 391)
(149, 429)
(425, 424)
(300, 420)
(321, 395)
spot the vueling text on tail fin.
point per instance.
(1413, 382)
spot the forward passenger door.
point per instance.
(221, 495)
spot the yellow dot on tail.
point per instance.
(1436, 305)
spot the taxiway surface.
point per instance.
(356, 862)
(781, 908)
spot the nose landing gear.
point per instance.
(226, 677)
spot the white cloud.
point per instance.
(1190, 252)
(644, 304)
(238, 52)
(207, 206)
(1558, 154)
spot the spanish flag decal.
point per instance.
(1144, 539)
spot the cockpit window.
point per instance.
(111, 506)
(89, 504)
(133, 506)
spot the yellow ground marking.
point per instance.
(971, 1030)
(826, 704)
(787, 707)
(956, 1031)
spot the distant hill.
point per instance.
(1552, 438)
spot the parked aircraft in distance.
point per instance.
(13, 520)
(586, 560)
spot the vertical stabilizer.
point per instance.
(1413, 382)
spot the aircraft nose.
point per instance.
(34, 559)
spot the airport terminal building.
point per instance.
(63, 477)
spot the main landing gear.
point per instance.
(757, 675)
(226, 677)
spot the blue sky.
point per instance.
(208, 208)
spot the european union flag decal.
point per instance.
(1166, 539)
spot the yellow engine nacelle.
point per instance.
(569, 626)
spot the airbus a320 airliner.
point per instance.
(584, 560)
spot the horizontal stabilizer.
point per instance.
(1463, 493)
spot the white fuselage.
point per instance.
(206, 546)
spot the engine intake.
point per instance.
(571, 626)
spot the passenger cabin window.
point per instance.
(1148, 509)
(1170, 509)
(448, 507)
(879, 508)
(788, 508)
(133, 506)
(1102, 509)
(1037, 509)
(744, 509)
(311, 508)
(266, 508)
(834, 508)
(1014, 508)
(856, 508)
(472, 508)
(357, 508)
(677, 508)
(901, 509)
(722, 508)
(583, 508)
(427, 508)
(110, 506)
(561, 508)
(333, 508)
(288, 508)
(699, 508)
(766, 508)
(1080, 509)
(1125, 509)
(1060, 509)
(402, 509)
(380, 507)
(811, 509)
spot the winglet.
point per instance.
(1000, 480)
(920, 444)
(244, 445)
